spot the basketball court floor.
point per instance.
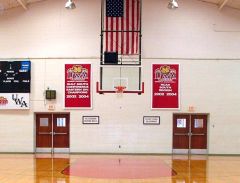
(59, 168)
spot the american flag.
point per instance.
(122, 26)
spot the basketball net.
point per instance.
(119, 90)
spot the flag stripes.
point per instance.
(122, 32)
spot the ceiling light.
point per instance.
(173, 4)
(70, 5)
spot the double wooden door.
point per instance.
(190, 133)
(52, 132)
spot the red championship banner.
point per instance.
(78, 86)
(165, 86)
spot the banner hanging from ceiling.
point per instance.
(165, 86)
(78, 86)
(15, 84)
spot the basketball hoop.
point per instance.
(119, 89)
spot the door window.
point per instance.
(61, 122)
(181, 123)
(43, 122)
(198, 123)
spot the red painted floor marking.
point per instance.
(119, 168)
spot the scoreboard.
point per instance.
(15, 76)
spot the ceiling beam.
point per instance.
(23, 3)
(222, 4)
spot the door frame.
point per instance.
(189, 150)
(65, 150)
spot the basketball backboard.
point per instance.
(127, 76)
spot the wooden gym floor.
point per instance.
(19, 168)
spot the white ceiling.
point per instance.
(223, 3)
(7, 4)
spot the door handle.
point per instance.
(45, 133)
(181, 134)
(198, 134)
(55, 133)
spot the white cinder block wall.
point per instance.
(202, 39)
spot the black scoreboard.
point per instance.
(15, 77)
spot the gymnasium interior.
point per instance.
(119, 91)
